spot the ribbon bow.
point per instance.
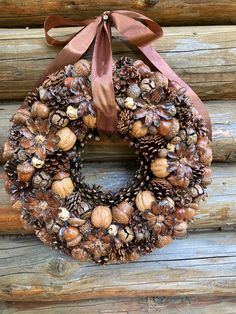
(138, 29)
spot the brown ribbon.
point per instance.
(138, 29)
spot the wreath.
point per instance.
(44, 162)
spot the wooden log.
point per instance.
(142, 305)
(201, 265)
(112, 148)
(218, 211)
(166, 12)
(203, 56)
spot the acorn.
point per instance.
(62, 184)
(139, 130)
(21, 116)
(125, 234)
(70, 233)
(160, 79)
(163, 240)
(133, 91)
(25, 172)
(142, 68)
(67, 139)
(37, 162)
(169, 129)
(59, 119)
(122, 212)
(129, 103)
(101, 217)
(159, 167)
(40, 110)
(82, 68)
(144, 200)
(90, 121)
(179, 182)
(72, 113)
(8, 151)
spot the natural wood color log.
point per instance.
(112, 148)
(166, 12)
(203, 56)
(218, 211)
(201, 265)
(162, 305)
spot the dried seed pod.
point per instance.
(67, 139)
(101, 217)
(147, 85)
(160, 79)
(25, 172)
(37, 162)
(21, 116)
(138, 129)
(59, 119)
(90, 121)
(125, 234)
(8, 151)
(196, 190)
(130, 104)
(159, 167)
(142, 68)
(63, 187)
(169, 129)
(164, 206)
(163, 241)
(82, 68)
(206, 180)
(70, 233)
(191, 136)
(122, 212)
(113, 229)
(41, 180)
(80, 254)
(133, 91)
(180, 229)
(63, 214)
(144, 200)
(72, 113)
(40, 110)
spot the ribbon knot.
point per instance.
(138, 29)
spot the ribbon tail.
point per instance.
(102, 84)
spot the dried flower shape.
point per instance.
(97, 245)
(43, 206)
(38, 138)
(183, 161)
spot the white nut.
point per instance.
(129, 103)
(64, 214)
(37, 162)
(112, 230)
(72, 113)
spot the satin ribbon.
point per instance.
(138, 29)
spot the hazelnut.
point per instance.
(144, 200)
(37, 162)
(74, 242)
(67, 139)
(63, 214)
(70, 233)
(59, 119)
(72, 113)
(125, 234)
(63, 187)
(130, 104)
(138, 129)
(8, 151)
(159, 167)
(163, 241)
(25, 172)
(90, 121)
(179, 213)
(101, 217)
(169, 129)
(40, 110)
(21, 116)
(122, 212)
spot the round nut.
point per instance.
(125, 234)
(37, 162)
(159, 167)
(101, 217)
(72, 113)
(112, 230)
(63, 187)
(40, 110)
(122, 212)
(63, 214)
(70, 233)
(67, 139)
(139, 130)
(90, 121)
(144, 200)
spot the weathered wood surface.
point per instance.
(142, 305)
(218, 211)
(203, 56)
(112, 148)
(166, 12)
(202, 264)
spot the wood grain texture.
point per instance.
(142, 305)
(202, 264)
(218, 211)
(203, 56)
(166, 12)
(112, 148)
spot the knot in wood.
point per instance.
(57, 267)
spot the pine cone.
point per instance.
(197, 176)
(15, 135)
(150, 145)
(57, 162)
(55, 79)
(59, 97)
(185, 116)
(199, 126)
(30, 99)
(182, 197)
(75, 203)
(10, 169)
(161, 188)
(125, 120)
(79, 128)
(123, 61)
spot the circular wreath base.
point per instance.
(44, 162)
